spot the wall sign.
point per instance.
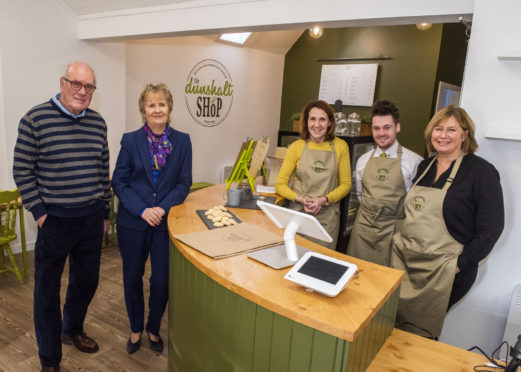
(209, 92)
(353, 84)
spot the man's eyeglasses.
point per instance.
(76, 85)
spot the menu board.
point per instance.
(353, 84)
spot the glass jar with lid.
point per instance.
(340, 124)
(353, 124)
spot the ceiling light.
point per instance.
(423, 26)
(316, 32)
(237, 38)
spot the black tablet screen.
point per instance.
(324, 270)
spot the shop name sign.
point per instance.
(209, 93)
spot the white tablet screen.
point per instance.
(327, 271)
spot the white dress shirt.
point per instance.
(410, 161)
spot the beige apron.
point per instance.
(428, 254)
(381, 212)
(317, 175)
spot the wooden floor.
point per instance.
(106, 322)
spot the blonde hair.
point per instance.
(155, 88)
(469, 145)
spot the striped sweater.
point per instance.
(61, 163)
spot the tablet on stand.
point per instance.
(321, 273)
(286, 255)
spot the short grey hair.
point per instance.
(70, 65)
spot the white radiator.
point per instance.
(513, 326)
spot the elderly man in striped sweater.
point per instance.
(61, 167)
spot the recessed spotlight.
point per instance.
(316, 32)
(423, 26)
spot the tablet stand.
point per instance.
(282, 256)
(276, 257)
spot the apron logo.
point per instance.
(318, 166)
(382, 174)
(418, 203)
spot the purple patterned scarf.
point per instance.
(159, 146)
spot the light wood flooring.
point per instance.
(106, 322)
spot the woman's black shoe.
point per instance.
(133, 347)
(156, 346)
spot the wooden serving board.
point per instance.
(209, 223)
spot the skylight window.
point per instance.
(238, 38)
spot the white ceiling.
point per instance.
(271, 41)
(88, 7)
(164, 18)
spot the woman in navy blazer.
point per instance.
(153, 173)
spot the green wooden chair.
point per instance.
(199, 185)
(9, 208)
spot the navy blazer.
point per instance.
(133, 181)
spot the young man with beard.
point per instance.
(383, 177)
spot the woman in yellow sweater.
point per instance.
(319, 169)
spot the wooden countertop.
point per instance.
(405, 352)
(344, 316)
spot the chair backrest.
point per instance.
(8, 210)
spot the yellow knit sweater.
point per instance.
(292, 159)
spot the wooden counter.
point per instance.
(237, 314)
(404, 352)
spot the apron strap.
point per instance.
(453, 173)
(426, 170)
(399, 153)
(332, 147)
(455, 168)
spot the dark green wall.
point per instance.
(408, 79)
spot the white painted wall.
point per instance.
(492, 96)
(257, 90)
(37, 40)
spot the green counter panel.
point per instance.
(212, 329)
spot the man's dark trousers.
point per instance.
(79, 238)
